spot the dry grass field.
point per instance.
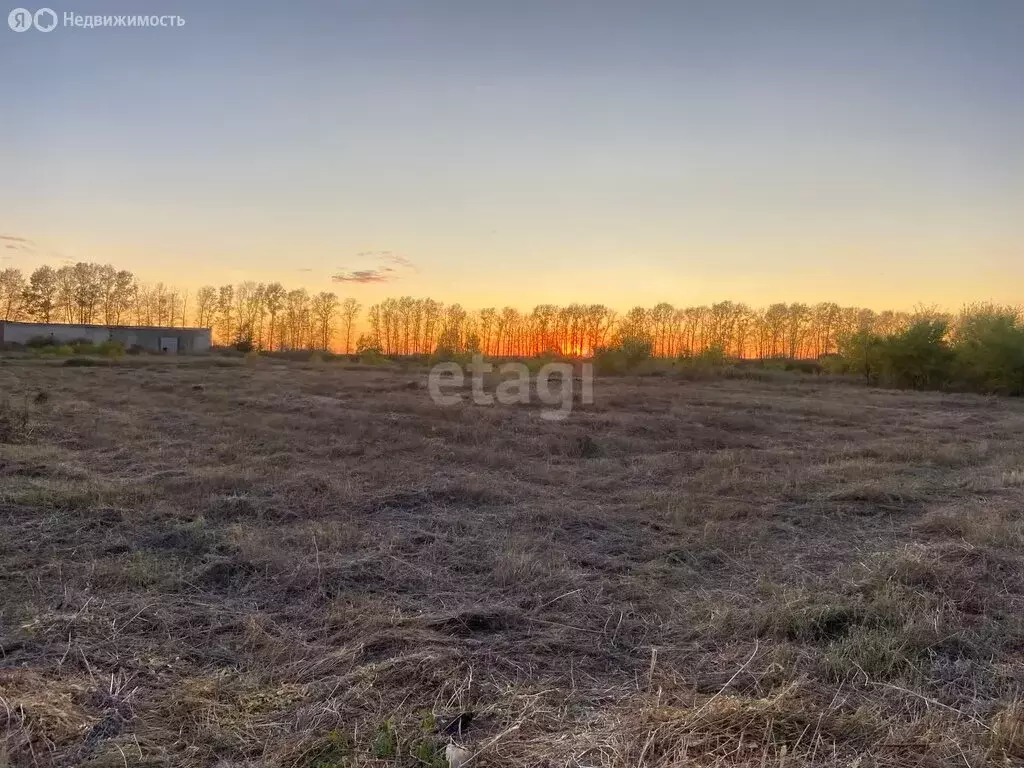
(259, 563)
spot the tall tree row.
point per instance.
(269, 316)
(264, 316)
(421, 326)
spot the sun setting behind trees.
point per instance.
(270, 317)
(512, 383)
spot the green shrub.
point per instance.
(713, 356)
(368, 350)
(448, 355)
(110, 349)
(832, 364)
(989, 350)
(385, 745)
(636, 350)
(860, 354)
(546, 357)
(917, 358)
(56, 350)
(708, 362)
(609, 361)
(629, 353)
(78, 347)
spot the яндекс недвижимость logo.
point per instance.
(22, 19)
(46, 20)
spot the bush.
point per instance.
(629, 353)
(368, 350)
(707, 362)
(110, 349)
(57, 350)
(636, 350)
(832, 364)
(989, 353)
(860, 354)
(917, 358)
(608, 360)
(712, 357)
(79, 347)
(449, 355)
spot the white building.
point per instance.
(170, 340)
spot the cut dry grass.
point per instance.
(308, 565)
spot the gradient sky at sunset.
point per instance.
(869, 152)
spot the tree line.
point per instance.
(256, 315)
(408, 325)
(981, 350)
(267, 316)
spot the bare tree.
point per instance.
(325, 311)
(12, 293)
(206, 305)
(225, 313)
(349, 312)
(41, 294)
(273, 298)
(297, 319)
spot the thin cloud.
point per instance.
(364, 276)
(402, 261)
(389, 267)
(19, 244)
(387, 257)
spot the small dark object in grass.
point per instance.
(458, 725)
(84, 362)
(41, 397)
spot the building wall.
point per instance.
(202, 339)
(22, 333)
(189, 340)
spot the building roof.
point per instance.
(109, 327)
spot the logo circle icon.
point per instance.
(45, 19)
(20, 19)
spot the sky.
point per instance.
(869, 152)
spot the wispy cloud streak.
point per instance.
(388, 269)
